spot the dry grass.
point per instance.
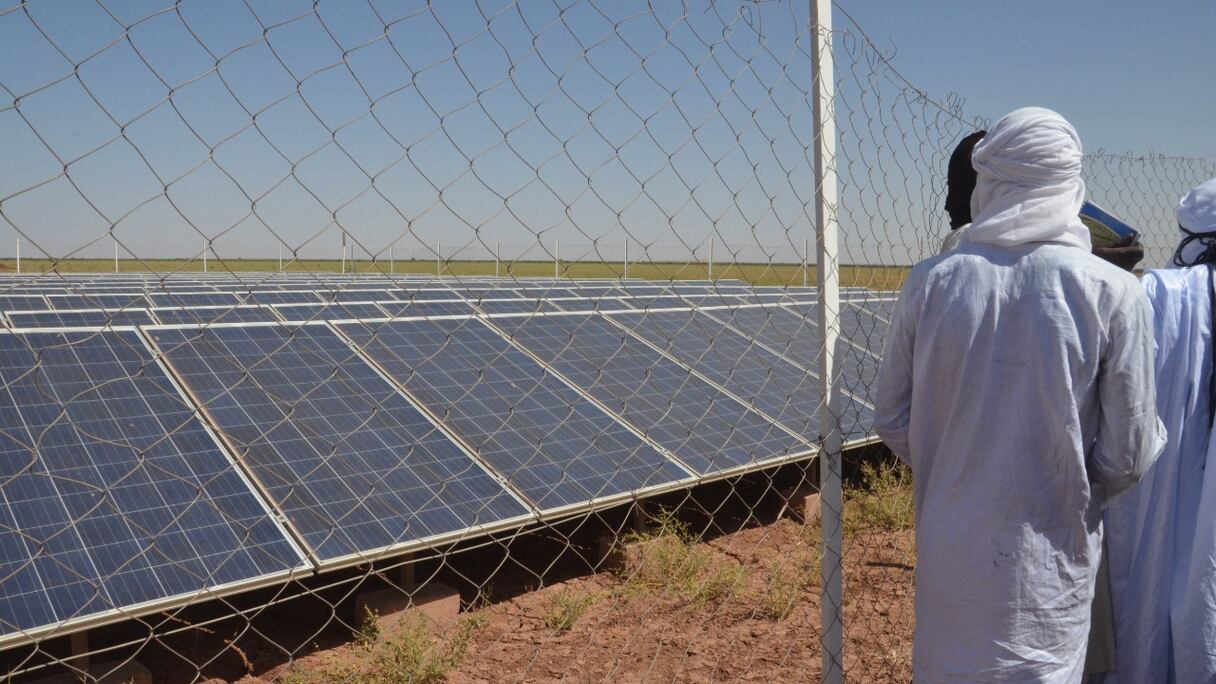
(564, 608)
(670, 559)
(874, 277)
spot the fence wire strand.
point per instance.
(503, 311)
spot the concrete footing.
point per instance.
(801, 504)
(438, 603)
(129, 672)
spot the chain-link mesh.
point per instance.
(375, 341)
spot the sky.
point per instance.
(544, 125)
(1129, 75)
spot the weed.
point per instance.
(669, 559)
(788, 581)
(414, 654)
(368, 631)
(883, 502)
(564, 608)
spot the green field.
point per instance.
(874, 277)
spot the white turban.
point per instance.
(1028, 187)
(1196, 215)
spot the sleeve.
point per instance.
(1130, 436)
(893, 404)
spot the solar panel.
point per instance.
(399, 309)
(598, 304)
(355, 295)
(278, 297)
(706, 429)
(328, 312)
(89, 318)
(114, 494)
(493, 306)
(219, 314)
(796, 337)
(23, 303)
(548, 440)
(185, 299)
(766, 381)
(355, 466)
(97, 301)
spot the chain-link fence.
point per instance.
(475, 341)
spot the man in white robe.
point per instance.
(1161, 537)
(1018, 386)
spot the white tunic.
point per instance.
(1162, 550)
(1018, 386)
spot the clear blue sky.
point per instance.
(1129, 74)
(574, 121)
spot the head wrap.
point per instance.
(960, 181)
(1197, 221)
(1028, 187)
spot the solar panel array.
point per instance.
(171, 438)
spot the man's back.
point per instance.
(1016, 361)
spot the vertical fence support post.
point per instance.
(497, 258)
(280, 257)
(827, 255)
(710, 270)
(806, 262)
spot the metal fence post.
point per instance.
(828, 281)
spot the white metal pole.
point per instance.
(557, 246)
(438, 252)
(828, 281)
(806, 261)
(280, 257)
(625, 274)
(710, 270)
(497, 258)
(115, 255)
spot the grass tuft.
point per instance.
(564, 608)
(669, 559)
(882, 502)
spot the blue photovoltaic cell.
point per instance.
(277, 297)
(97, 301)
(796, 337)
(355, 295)
(411, 296)
(703, 427)
(186, 299)
(79, 319)
(660, 302)
(782, 390)
(475, 293)
(112, 493)
(329, 312)
(493, 306)
(354, 466)
(593, 304)
(19, 303)
(426, 308)
(548, 440)
(223, 314)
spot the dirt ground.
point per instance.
(761, 624)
